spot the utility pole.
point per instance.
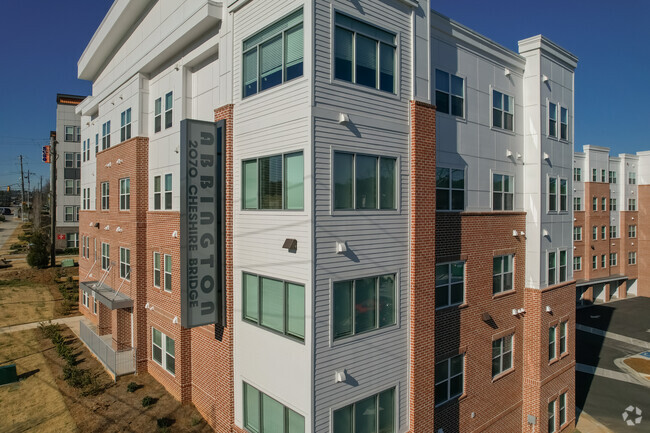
(29, 190)
(22, 190)
(53, 158)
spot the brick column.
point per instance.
(622, 289)
(104, 319)
(589, 294)
(608, 292)
(121, 329)
(422, 266)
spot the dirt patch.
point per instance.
(34, 404)
(116, 410)
(639, 364)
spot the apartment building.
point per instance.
(68, 169)
(330, 216)
(610, 205)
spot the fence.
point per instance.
(118, 363)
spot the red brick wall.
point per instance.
(422, 266)
(643, 242)
(476, 237)
(581, 246)
(598, 219)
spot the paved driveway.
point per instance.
(606, 398)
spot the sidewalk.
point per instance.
(587, 424)
(71, 322)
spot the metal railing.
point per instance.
(117, 362)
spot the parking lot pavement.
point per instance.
(629, 317)
(601, 352)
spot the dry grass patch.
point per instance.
(639, 364)
(34, 404)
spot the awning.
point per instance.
(106, 295)
(601, 280)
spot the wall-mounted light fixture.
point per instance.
(175, 234)
(341, 247)
(119, 230)
(107, 228)
(340, 376)
(343, 118)
(290, 244)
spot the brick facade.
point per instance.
(643, 241)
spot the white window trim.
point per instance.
(465, 198)
(503, 193)
(159, 269)
(514, 111)
(166, 272)
(502, 355)
(462, 118)
(128, 194)
(163, 351)
(127, 277)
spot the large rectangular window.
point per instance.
(274, 182)
(450, 284)
(125, 194)
(563, 195)
(156, 269)
(125, 263)
(552, 194)
(163, 351)
(631, 231)
(69, 213)
(167, 281)
(552, 268)
(125, 125)
(551, 417)
(552, 120)
(562, 405)
(577, 203)
(450, 94)
(449, 379)
(364, 54)
(577, 174)
(631, 204)
(169, 102)
(563, 266)
(613, 259)
(106, 256)
(503, 196)
(612, 204)
(612, 177)
(552, 354)
(631, 178)
(577, 263)
(501, 355)
(105, 195)
(263, 414)
(503, 111)
(157, 115)
(273, 55)
(502, 274)
(564, 123)
(613, 232)
(577, 233)
(631, 258)
(364, 182)
(363, 305)
(374, 414)
(72, 240)
(162, 199)
(106, 135)
(450, 189)
(274, 304)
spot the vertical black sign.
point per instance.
(203, 287)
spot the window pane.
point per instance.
(366, 61)
(343, 172)
(458, 179)
(343, 54)
(157, 337)
(442, 81)
(273, 304)
(294, 184)
(496, 118)
(168, 182)
(342, 309)
(250, 185)
(365, 415)
(271, 63)
(343, 420)
(387, 183)
(296, 422)
(296, 310)
(386, 407)
(387, 68)
(366, 182)
(442, 102)
(386, 300)
(250, 72)
(273, 415)
(271, 182)
(364, 304)
(168, 101)
(251, 297)
(251, 408)
(293, 53)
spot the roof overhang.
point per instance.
(106, 295)
(601, 280)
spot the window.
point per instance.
(577, 175)
(362, 305)
(106, 135)
(169, 102)
(631, 258)
(576, 203)
(577, 263)
(279, 305)
(562, 404)
(564, 123)
(450, 284)
(77, 187)
(105, 195)
(72, 240)
(83, 152)
(551, 342)
(83, 200)
(70, 214)
(603, 232)
(449, 381)
(594, 233)
(83, 246)
(552, 194)
(631, 178)
(375, 414)
(106, 256)
(275, 182)
(157, 115)
(603, 261)
(551, 417)
(88, 150)
(613, 232)
(263, 414)
(162, 344)
(273, 55)
(95, 306)
(84, 299)
(577, 233)
(594, 262)
(363, 181)
(69, 159)
(168, 191)
(168, 273)
(125, 263)
(87, 198)
(594, 175)
(69, 133)
(563, 195)
(552, 120)
(552, 268)
(594, 204)
(501, 355)
(158, 194)
(603, 204)
(603, 176)
(631, 204)
(450, 189)
(631, 231)
(125, 130)
(503, 196)
(613, 259)
(125, 194)
(364, 54)
(96, 143)
(563, 266)
(450, 91)
(612, 177)
(612, 204)
(156, 269)
(502, 274)
(503, 109)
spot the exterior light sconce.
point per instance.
(119, 161)
(518, 155)
(514, 311)
(515, 233)
(340, 376)
(545, 233)
(343, 119)
(175, 234)
(508, 153)
(175, 321)
(546, 156)
(341, 247)
(96, 225)
(108, 164)
(146, 306)
(290, 244)
(107, 228)
(521, 311)
(548, 309)
(522, 233)
(119, 230)
(506, 72)
(91, 224)
(545, 78)
(486, 317)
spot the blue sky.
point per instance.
(43, 39)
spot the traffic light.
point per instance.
(46, 153)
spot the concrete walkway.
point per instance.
(603, 372)
(613, 336)
(587, 424)
(72, 322)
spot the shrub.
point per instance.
(93, 388)
(132, 387)
(76, 377)
(148, 401)
(195, 421)
(39, 254)
(164, 422)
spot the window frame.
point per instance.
(106, 256)
(613, 232)
(167, 273)
(125, 266)
(577, 174)
(631, 178)
(503, 193)
(577, 263)
(502, 111)
(612, 204)
(552, 343)
(612, 176)
(125, 197)
(577, 204)
(451, 189)
(106, 135)
(631, 205)
(449, 94)
(551, 417)
(163, 351)
(631, 258)
(157, 269)
(448, 379)
(552, 202)
(631, 231)
(376, 396)
(510, 258)
(613, 259)
(284, 182)
(577, 233)
(450, 283)
(501, 356)
(125, 125)
(286, 411)
(105, 191)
